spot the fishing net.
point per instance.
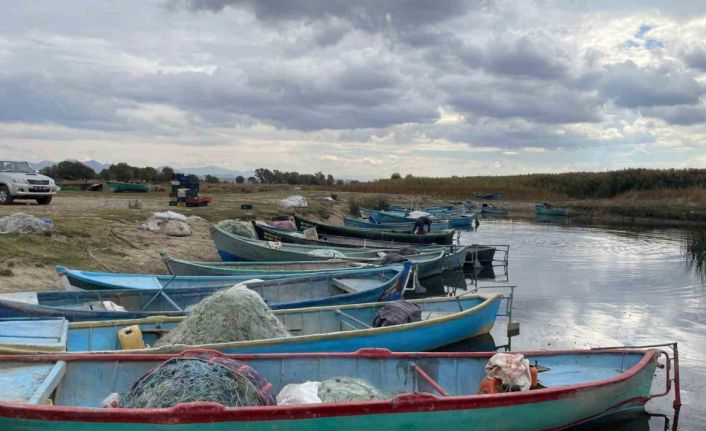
(236, 314)
(25, 224)
(204, 378)
(238, 227)
(346, 389)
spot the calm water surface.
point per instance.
(582, 287)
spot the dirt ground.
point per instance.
(98, 231)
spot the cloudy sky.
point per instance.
(358, 89)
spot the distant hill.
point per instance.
(222, 173)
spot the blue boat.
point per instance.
(426, 391)
(487, 196)
(89, 280)
(344, 328)
(451, 220)
(436, 226)
(298, 292)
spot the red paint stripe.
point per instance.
(203, 412)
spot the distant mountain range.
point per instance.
(222, 173)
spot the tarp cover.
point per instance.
(397, 313)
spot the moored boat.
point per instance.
(268, 270)
(119, 187)
(487, 196)
(546, 209)
(426, 390)
(233, 248)
(490, 209)
(343, 328)
(297, 292)
(437, 226)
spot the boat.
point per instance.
(546, 209)
(480, 254)
(399, 232)
(487, 196)
(267, 232)
(118, 187)
(343, 328)
(300, 292)
(401, 227)
(451, 220)
(234, 248)
(87, 280)
(262, 269)
(427, 390)
(490, 209)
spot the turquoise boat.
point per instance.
(300, 292)
(398, 232)
(490, 209)
(235, 248)
(63, 392)
(548, 210)
(118, 187)
(344, 328)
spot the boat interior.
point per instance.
(86, 382)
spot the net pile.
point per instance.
(347, 389)
(238, 227)
(182, 380)
(236, 314)
(25, 224)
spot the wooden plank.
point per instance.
(52, 380)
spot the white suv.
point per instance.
(19, 181)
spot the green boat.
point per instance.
(235, 248)
(118, 187)
(423, 391)
(443, 237)
(548, 210)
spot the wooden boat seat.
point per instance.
(31, 383)
(344, 286)
(22, 335)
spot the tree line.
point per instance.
(266, 176)
(74, 170)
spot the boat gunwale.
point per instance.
(203, 412)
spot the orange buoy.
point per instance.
(533, 377)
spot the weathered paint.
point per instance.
(575, 394)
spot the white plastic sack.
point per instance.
(417, 214)
(511, 368)
(244, 284)
(325, 252)
(294, 201)
(304, 393)
(112, 306)
(274, 245)
(169, 215)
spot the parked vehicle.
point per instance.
(19, 181)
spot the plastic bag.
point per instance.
(512, 368)
(304, 393)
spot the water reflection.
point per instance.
(540, 218)
(695, 250)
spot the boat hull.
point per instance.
(129, 187)
(552, 408)
(554, 212)
(400, 232)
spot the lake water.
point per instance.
(582, 287)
